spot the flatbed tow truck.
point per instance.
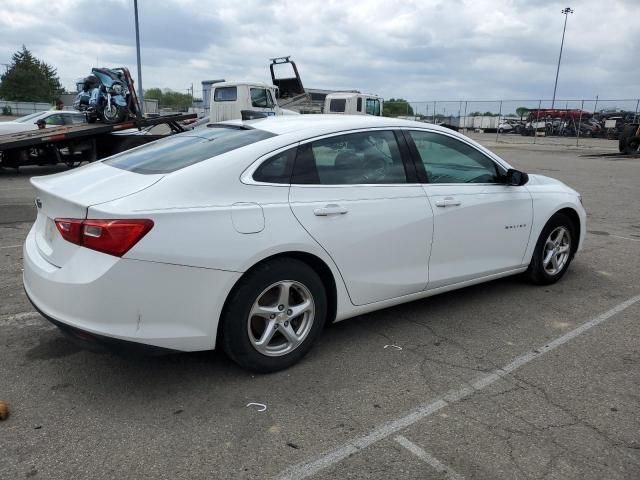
(83, 143)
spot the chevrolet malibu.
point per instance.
(251, 236)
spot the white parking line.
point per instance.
(313, 466)
(428, 458)
(626, 238)
(11, 246)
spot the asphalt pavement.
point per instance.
(502, 380)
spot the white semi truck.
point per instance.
(233, 100)
(286, 96)
(349, 103)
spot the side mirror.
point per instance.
(516, 178)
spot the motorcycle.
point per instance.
(105, 95)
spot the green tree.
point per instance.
(169, 98)
(29, 79)
(396, 107)
(522, 111)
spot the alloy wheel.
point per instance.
(556, 250)
(281, 318)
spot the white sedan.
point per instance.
(251, 236)
(52, 118)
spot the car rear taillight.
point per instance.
(114, 237)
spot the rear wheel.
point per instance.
(625, 141)
(554, 250)
(274, 315)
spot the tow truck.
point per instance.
(89, 142)
(75, 144)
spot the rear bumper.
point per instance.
(100, 343)
(104, 297)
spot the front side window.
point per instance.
(356, 158)
(179, 151)
(337, 105)
(373, 106)
(259, 98)
(54, 120)
(448, 160)
(225, 94)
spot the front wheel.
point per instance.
(274, 315)
(113, 114)
(554, 251)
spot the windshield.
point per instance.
(104, 76)
(31, 118)
(179, 151)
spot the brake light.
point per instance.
(114, 237)
(70, 229)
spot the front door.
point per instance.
(481, 225)
(350, 192)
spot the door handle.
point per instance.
(331, 209)
(448, 202)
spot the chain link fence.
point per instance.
(526, 121)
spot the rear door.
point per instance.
(481, 225)
(356, 197)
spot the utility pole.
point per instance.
(565, 12)
(140, 91)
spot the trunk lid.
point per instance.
(70, 194)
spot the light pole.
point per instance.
(565, 12)
(140, 91)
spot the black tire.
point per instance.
(536, 271)
(234, 322)
(91, 119)
(625, 137)
(120, 115)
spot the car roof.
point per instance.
(327, 123)
(43, 114)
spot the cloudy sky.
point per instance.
(415, 49)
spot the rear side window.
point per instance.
(179, 151)
(277, 169)
(337, 105)
(351, 159)
(359, 104)
(76, 119)
(225, 94)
